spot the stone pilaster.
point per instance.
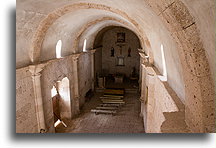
(35, 71)
(144, 60)
(76, 82)
(143, 88)
(92, 68)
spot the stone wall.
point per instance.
(59, 69)
(84, 76)
(162, 110)
(188, 41)
(98, 61)
(26, 119)
(55, 71)
(109, 63)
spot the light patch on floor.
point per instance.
(127, 120)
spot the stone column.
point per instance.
(92, 68)
(143, 87)
(143, 63)
(76, 83)
(35, 71)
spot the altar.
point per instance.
(118, 79)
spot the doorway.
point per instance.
(61, 101)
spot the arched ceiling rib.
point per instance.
(175, 24)
(70, 29)
(45, 24)
(138, 13)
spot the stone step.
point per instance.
(127, 90)
(114, 91)
(106, 108)
(111, 105)
(112, 100)
(117, 96)
(99, 111)
(110, 97)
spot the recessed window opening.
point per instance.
(164, 76)
(53, 91)
(58, 49)
(84, 46)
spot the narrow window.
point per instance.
(58, 49)
(84, 46)
(164, 77)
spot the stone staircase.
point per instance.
(111, 101)
(127, 90)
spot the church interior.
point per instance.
(97, 66)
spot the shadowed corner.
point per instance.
(12, 70)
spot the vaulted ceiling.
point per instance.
(40, 24)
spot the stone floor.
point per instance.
(127, 120)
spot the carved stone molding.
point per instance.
(35, 71)
(76, 56)
(92, 51)
(144, 57)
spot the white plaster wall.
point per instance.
(159, 37)
(92, 31)
(148, 22)
(66, 29)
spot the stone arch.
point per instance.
(89, 24)
(101, 32)
(48, 21)
(197, 77)
(199, 86)
(144, 42)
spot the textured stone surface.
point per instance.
(57, 70)
(118, 13)
(84, 76)
(195, 64)
(164, 111)
(26, 120)
(184, 28)
(127, 120)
